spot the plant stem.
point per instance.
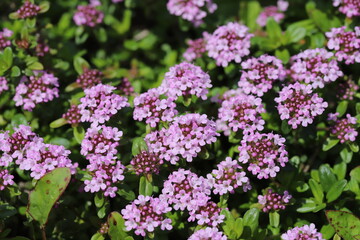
(43, 232)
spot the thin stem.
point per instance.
(43, 232)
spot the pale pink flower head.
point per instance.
(72, 116)
(3, 84)
(196, 48)
(343, 129)
(88, 15)
(28, 10)
(146, 163)
(89, 78)
(208, 214)
(276, 12)
(5, 34)
(347, 89)
(272, 201)
(305, 232)
(208, 234)
(351, 8)
(6, 179)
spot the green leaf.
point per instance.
(145, 187)
(327, 177)
(127, 194)
(336, 190)
(346, 155)
(36, 66)
(15, 71)
(251, 219)
(340, 170)
(316, 190)
(79, 133)
(345, 224)
(274, 218)
(7, 210)
(18, 119)
(99, 200)
(8, 57)
(60, 141)
(80, 64)
(58, 123)
(273, 29)
(46, 193)
(317, 40)
(44, 7)
(301, 186)
(97, 236)
(353, 147)
(117, 229)
(329, 144)
(342, 107)
(285, 128)
(295, 33)
(249, 11)
(283, 55)
(355, 174)
(238, 227)
(138, 146)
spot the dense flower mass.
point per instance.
(299, 105)
(28, 9)
(240, 111)
(344, 129)
(154, 108)
(72, 116)
(196, 48)
(146, 163)
(315, 67)
(208, 214)
(258, 74)
(145, 214)
(88, 15)
(191, 10)
(5, 34)
(346, 44)
(272, 201)
(264, 153)
(208, 234)
(89, 78)
(275, 12)
(125, 87)
(185, 137)
(347, 89)
(230, 42)
(100, 103)
(228, 176)
(3, 84)
(186, 79)
(6, 179)
(43, 87)
(305, 232)
(351, 8)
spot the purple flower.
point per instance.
(315, 67)
(208, 214)
(228, 176)
(154, 108)
(264, 153)
(43, 87)
(344, 129)
(196, 48)
(228, 43)
(308, 232)
(259, 74)
(6, 179)
(272, 201)
(351, 8)
(186, 79)
(208, 234)
(72, 116)
(125, 88)
(28, 10)
(146, 163)
(88, 16)
(191, 10)
(41, 49)
(299, 105)
(145, 214)
(89, 78)
(5, 34)
(346, 44)
(3, 84)
(347, 89)
(276, 12)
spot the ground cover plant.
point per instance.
(179, 119)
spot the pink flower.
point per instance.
(89, 78)
(344, 129)
(72, 116)
(28, 10)
(146, 163)
(305, 232)
(125, 88)
(6, 179)
(347, 89)
(208, 214)
(272, 201)
(276, 12)
(88, 16)
(208, 234)
(3, 84)
(351, 8)
(196, 48)
(5, 34)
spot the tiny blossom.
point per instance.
(263, 153)
(6, 179)
(344, 129)
(228, 43)
(272, 201)
(191, 10)
(259, 74)
(186, 79)
(208, 214)
(146, 163)
(72, 116)
(43, 87)
(208, 234)
(88, 16)
(185, 190)
(351, 8)
(196, 48)
(228, 176)
(145, 214)
(104, 228)
(275, 12)
(89, 78)
(346, 44)
(299, 105)
(125, 87)
(4, 41)
(347, 89)
(28, 10)
(315, 67)
(100, 103)
(308, 232)
(3, 85)
(152, 107)
(240, 111)
(185, 137)
(99, 145)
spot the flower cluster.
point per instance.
(304, 232)
(351, 8)
(275, 12)
(228, 176)
(4, 41)
(228, 43)
(100, 103)
(208, 234)
(299, 105)
(264, 153)
(185, 190)
(152, 107)
(240, 111)
(43, 87)
(6, 179)
(315, 67)
(89, 78)
(272, 201)
(185, 137)
(3, 84)
(345, 43)
(72, 116)
(145, 214)
(125, 87)
(208, 214)
(259, 74)
(41, 49)
(347, 89)
(196, 48)
(88, 15)
(28, 10)
(344, 129)
(191, 10)
(186, 79)
(146, 163)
